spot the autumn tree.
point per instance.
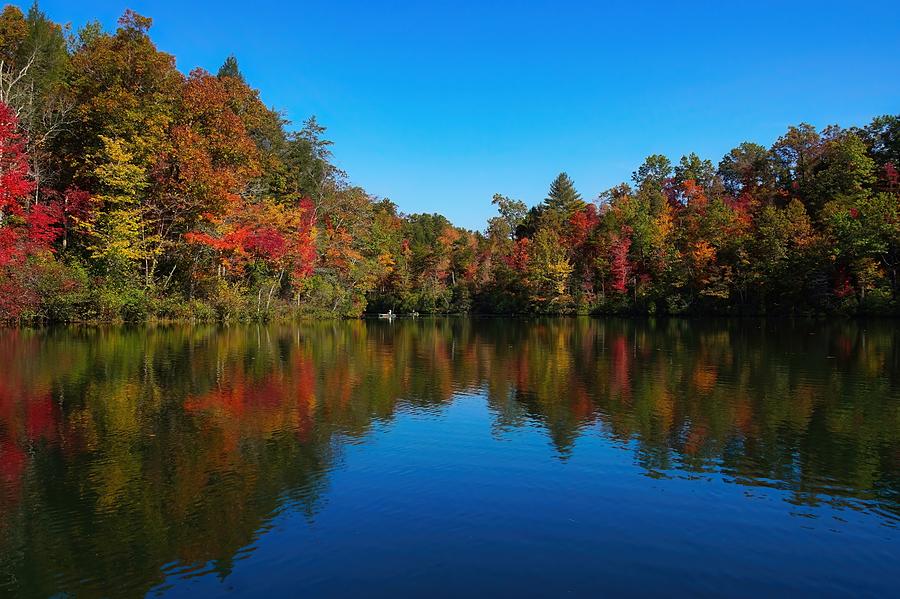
(549, 270)
(119, 239)
(27, 230)
(33, 67)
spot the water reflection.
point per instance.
(129, 454)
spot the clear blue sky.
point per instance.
(438, 105)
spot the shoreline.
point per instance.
(153, 322)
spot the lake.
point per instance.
(452, 457)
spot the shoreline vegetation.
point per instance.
(130, 191)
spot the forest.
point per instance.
(131, 191)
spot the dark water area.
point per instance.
(452, 457)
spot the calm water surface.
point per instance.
(452, 457)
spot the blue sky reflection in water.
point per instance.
(536, 458)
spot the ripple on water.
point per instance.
(531, 457)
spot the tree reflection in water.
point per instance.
(127, 452)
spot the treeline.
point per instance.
(130, 191)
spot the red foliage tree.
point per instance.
(891, 177)
(582, 223)
(15, 188)
(304, 250)
(694, 195)
(26, 229)
(283, 238)
(619, 264)
(842, 285)
(518, 260)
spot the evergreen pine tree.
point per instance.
(230, 69)
(563, 198)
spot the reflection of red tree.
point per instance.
(845, 346)
(261, 405)
(12, 465)
(696, 439)
(621, 380)
(523, 372)
(744, 417)
(305, 392)
(228, 398)
(8, 416)
(704, 377)
(582, 406)
(27, 411)
(41, 418)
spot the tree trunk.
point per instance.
(272, 290)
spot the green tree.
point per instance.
(563, 199)
(845, 168)
(512, 214)
(882, 137)
(795, 156)
(231, 69)
(655, 170)
(693, 168)
(747, 169)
